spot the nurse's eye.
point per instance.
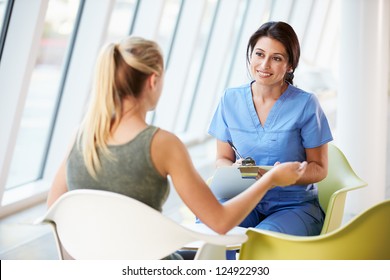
(260, 54)
(277, 58)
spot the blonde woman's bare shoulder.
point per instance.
(168, 143)
(163, 136)
(167, 149)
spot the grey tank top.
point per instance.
(130, 172)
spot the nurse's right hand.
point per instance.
(238, 162)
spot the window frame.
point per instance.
(75, 88)
(4, 29)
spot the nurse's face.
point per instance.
(269, 62)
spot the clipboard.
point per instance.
(228, 181)
(251, 171)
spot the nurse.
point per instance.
(273, 121)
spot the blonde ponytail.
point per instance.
(121, 71)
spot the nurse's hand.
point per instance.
(238, 162)
(248, 161)
(285, 174)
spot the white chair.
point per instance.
(94, 224)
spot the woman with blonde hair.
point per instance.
(116, 150)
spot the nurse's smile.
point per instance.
(263, 74)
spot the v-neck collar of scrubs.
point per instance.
(273, 113)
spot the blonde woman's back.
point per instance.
(131, 172)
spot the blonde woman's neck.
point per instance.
(129, 124)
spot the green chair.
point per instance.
(365, 237)
(332, 191)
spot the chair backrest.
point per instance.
(366, 237)
(332, 191)
(93, 224)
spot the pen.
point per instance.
(234, 149)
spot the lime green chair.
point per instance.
(333, 190)
(365, 237)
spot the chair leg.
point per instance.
(211, 252)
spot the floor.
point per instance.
(20, 239)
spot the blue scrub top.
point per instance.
(295, 122)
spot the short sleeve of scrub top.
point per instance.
(295, 122)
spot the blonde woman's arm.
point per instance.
(171, 157)
(59, 185)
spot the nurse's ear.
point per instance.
(289, 76)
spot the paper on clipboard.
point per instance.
(228, 181)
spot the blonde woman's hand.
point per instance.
(285, 174)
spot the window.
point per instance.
(41, 103)
(168, 22)
(195, 67)
(4, 7)
(121, 19)
(185, 62)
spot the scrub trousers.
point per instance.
(291, 212)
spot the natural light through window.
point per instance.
(121, 20)
(3, 6)
(43, 93)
